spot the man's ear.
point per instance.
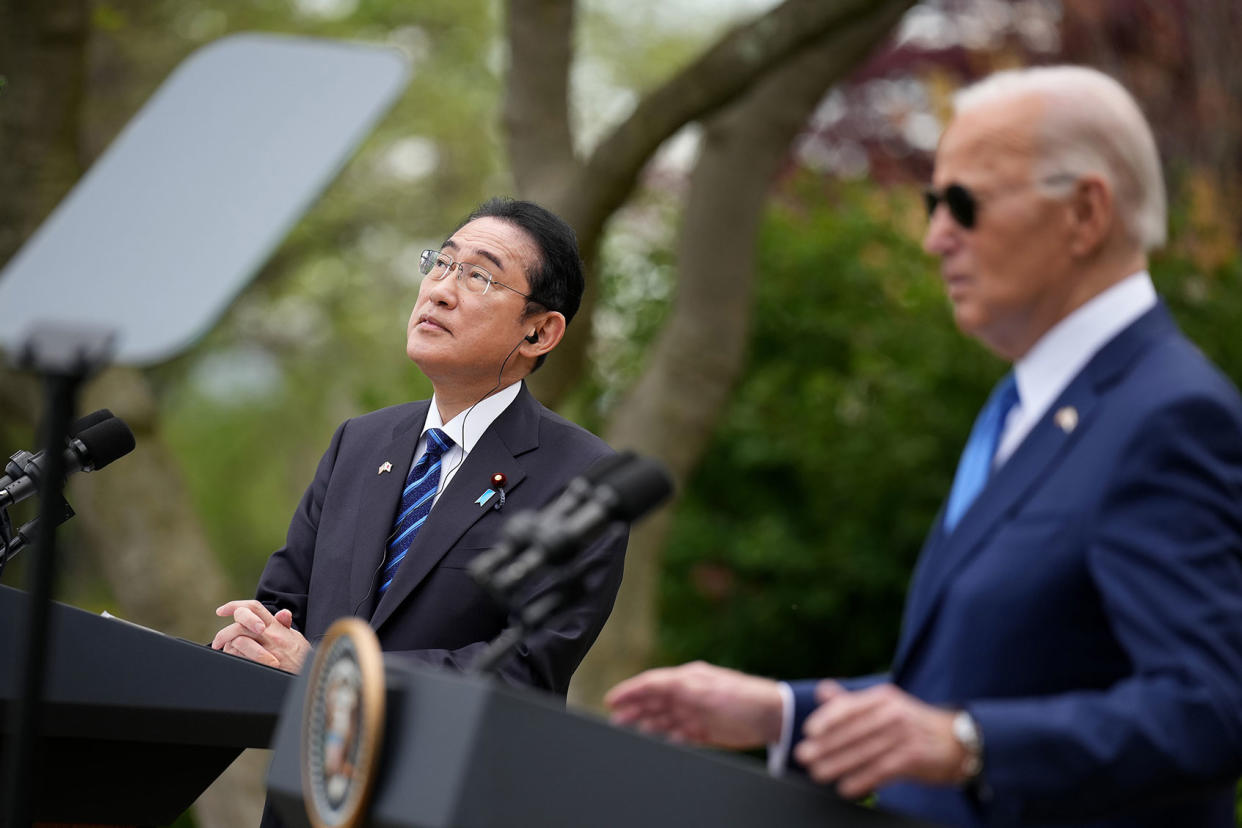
(1093, 216)
(547, 330)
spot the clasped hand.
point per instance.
(258, 635)
(862, 740)
(857, 740)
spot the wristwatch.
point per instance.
(966, 732)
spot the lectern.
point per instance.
(138, 723)
(467, 752)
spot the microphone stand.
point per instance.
(567, 587)
(12, 470)
(6, 534)
(64, 356)
(28, 533)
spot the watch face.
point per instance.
(966, 732)
(342, 725)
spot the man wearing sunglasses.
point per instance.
(407, 496)
(1071, 648)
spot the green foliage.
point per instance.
(1207, 304)
(636, 272)
(792, 547)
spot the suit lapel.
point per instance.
(377, 505)
(1029, 466)
(513, 433)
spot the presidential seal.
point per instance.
(342, 725)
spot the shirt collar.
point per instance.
(1047, 368)
(467, 427)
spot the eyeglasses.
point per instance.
(436, 265)
(964, 205)
(960, 201)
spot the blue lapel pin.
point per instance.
(483, 497)
(499, 480)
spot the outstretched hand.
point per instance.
(700, 703)
(258, 635)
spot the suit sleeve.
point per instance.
(1163, 553)
(285, 581)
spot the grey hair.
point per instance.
(1092, 126)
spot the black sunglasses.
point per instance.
(964, 205)
(960, 201)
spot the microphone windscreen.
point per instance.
(598, 471)
(106, 441)
(639, 485)
(85, 422)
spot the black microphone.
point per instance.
(626, 493)
(93, 448)
(88, 420)
(519, 531)
(576, 491)
(20, 459)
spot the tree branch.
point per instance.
(726, 70)
(536, 105)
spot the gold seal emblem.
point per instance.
(342, 725)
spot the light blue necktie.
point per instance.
(416, 500)
(975, 466)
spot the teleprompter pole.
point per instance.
(65, 357)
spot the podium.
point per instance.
(467, 752)
(137, 723)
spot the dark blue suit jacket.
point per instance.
(1087, 609)
(434, 611)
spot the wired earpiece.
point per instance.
(532, 337)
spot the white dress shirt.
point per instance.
(464, 430)
(1047, 368)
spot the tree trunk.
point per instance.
(43, 64)
(672, 410)
(587, 192)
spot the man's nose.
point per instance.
(444, 291)
(941, 231)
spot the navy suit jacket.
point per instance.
(1087, 609)
(434, 611)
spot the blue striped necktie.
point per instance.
(416, 500)
(975, 466)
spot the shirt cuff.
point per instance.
(778, 751)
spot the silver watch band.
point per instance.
(967, 734)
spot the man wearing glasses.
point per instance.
(1071, 648)
(495, 299)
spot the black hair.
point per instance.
(556, 281)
